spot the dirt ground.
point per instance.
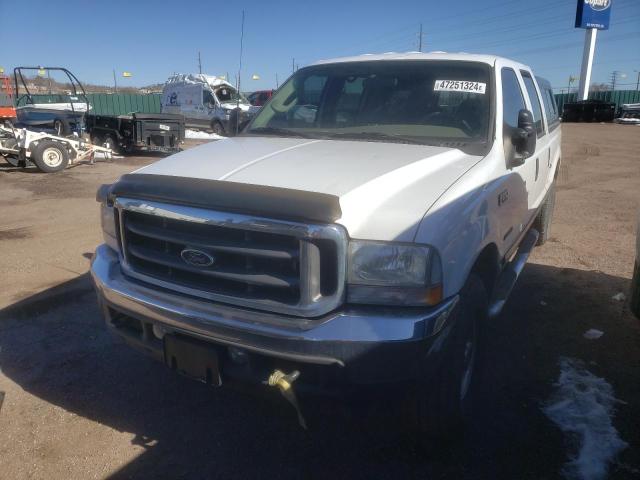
(80, 404)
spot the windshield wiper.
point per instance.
(285, 132)
(375, 136)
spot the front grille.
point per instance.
(260, 263)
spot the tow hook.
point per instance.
(285, 385)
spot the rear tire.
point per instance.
(60, 127)
(445, 396)
(11, 160)
(50, 156)
(542, 222)
(110, 143)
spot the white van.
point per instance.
(205, 101)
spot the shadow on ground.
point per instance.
(55, 346)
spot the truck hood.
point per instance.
(384, 188)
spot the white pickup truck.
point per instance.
(360, 231)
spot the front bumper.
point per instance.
(361, 345)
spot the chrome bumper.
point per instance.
(346, 336)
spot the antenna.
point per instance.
(420, 40)
(199, 63)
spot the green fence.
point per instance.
(618, 97)
(111, 103)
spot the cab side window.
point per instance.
(207, 99)
(535, 102)
(552, 108)
(512, 103)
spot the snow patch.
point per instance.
(583, 407)
(619, 297)
(197, 134)
(593, 334)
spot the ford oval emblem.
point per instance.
(196, 258)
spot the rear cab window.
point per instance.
(550, 105)
(534, 99)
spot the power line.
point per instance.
(397, 37)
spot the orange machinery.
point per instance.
(7, 107)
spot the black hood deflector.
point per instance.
(259, 200)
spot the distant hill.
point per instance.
(42, 85)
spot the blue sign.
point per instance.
(593, 14)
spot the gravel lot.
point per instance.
(80, 404)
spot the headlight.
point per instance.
(107, 217)
(108, 223)
(393, 273)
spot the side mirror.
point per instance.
(524, 136)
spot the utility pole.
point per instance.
(587, 62)
(239, 73)
(293, 65)
(614, 77)
(115, 84)
(638, 81)
(420, 40)
(199, 63)
(277, 80)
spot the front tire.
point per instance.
(218, 129)
(50, 156)
(445, 396)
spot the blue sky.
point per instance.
(153, 39)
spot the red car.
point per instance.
(260, 97)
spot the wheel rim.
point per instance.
(52, 157)
(468, 360)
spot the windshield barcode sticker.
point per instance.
(459, 86)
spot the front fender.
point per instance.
(469, 216)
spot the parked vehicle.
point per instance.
(629, 114)
(148, 132)
(206, 102)
(21, 147)
(588, 111)
(635, 282)
(61, 107)
(260, 97)
(360, 231)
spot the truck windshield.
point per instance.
(426, 102)
(227, 95)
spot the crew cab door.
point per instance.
(517, 191)
(542, 155)
(552, 121)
